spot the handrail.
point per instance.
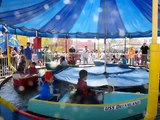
(9, 61)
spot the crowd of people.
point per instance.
(133, 57)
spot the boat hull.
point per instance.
(110, 110)
(22, 83)
(49, 66)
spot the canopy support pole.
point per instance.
(105, 72)
(8, 53)
(125, 40)
(66, 45)
(98, 49)
(36, 33)
(105, 32)
(94, 45)
(154, 68)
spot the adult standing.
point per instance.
(131, 55)
(1, 62)
(102, 55)
(14, 56)
(85, 55)
(72, 51)
(28, 55)
(144, 50)
(47, 54)
(21, 52)
(1, 55)
(40, 57)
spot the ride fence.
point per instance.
(5, 70)
(135, 60)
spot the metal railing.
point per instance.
(135, 59)
(5, 70)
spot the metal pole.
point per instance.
(66, 45)
(94, 45)
(98, 49)
(8, 52)
(105, 35)
(36, 33)
(125, 39)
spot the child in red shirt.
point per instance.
(71, 61)
(84, 95)
(82, 84)
(32, 69)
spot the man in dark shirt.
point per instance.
(144, 50)
(72, 49)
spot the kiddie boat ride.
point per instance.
(22, 81)
(113, 106)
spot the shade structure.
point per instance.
(78, 18)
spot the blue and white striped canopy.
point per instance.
(78, 18)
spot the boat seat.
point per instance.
(78, 98)
(70, 97)
(66, 97)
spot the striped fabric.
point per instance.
(77, 18)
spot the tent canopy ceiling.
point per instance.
(78, 18)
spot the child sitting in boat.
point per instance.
(123, 60)
(82, 84)
(20, 70)
(21, 65)
(20, 74)
(114, 59)
(71, 61)
(48, 91)
(32, 69)
(84, 92)
(63, 61)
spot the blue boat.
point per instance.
(114, 106)
(54, 67)
(99, 62)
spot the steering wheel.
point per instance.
(102, 89)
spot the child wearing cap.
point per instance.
(47, 91)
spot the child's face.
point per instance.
(22, 58)
(85, 78)
(51, 80)
(32, 65)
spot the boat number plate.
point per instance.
(122, 106)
